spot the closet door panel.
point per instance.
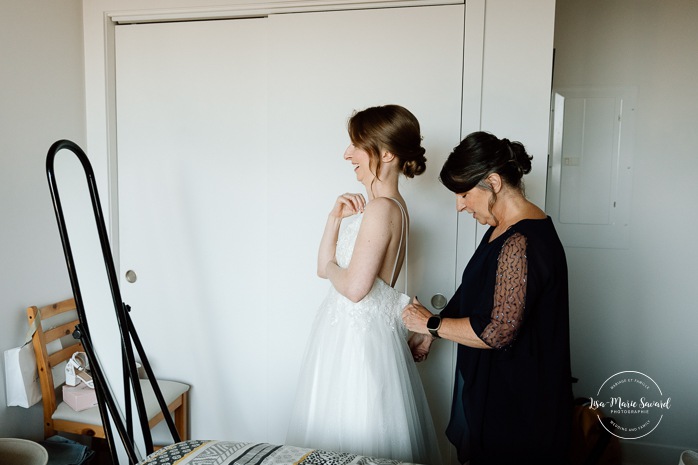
(322, 67)
(191, 104)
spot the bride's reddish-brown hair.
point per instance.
(391, 128)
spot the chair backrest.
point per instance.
(49, 328)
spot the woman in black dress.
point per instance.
(512, 398)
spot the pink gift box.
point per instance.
(79, 397)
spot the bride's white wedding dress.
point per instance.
(359, 390)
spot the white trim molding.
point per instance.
(246, 10)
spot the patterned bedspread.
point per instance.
(241, 453)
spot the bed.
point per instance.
(200, 452)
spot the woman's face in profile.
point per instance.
(361, 162)
(476, 203)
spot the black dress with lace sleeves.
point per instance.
(512, 403)
(509, 294)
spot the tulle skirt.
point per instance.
(359, 390)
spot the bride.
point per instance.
(359, 390)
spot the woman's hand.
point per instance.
(415, 317)
(420, 344)
(347, 205)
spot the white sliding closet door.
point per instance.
(323, 66)
(191, 106)
(230, 143)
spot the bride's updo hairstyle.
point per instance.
(481, 154)
(392, 128)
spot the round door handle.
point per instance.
(131, 276)
(438, 301)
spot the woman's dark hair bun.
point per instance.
(519, 156)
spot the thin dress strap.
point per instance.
(407, 243)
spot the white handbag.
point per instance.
(21, 376)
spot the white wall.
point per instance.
(41, 100)
(635, 308)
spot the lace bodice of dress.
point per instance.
(382, 302)
(347, 240)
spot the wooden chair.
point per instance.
(59, 416)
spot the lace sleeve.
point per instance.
(509, 294)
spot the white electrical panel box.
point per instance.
(590, 166)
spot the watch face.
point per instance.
(433, 322)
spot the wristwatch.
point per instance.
(433, 325)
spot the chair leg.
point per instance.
(181, 418)
(48, 429)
